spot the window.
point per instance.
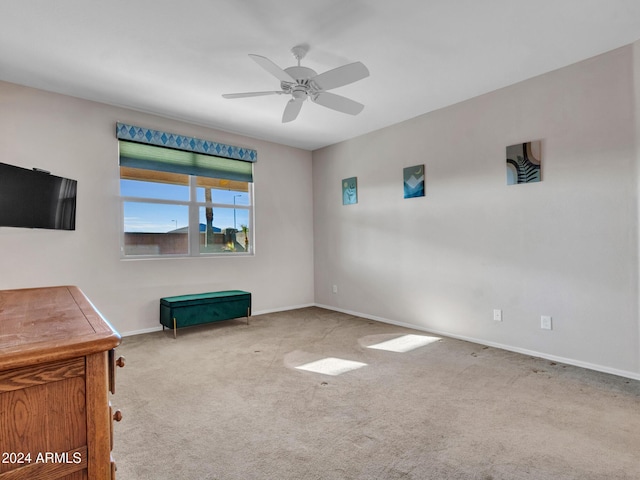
(179, 203)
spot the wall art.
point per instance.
(523, 163)
(350, 191)
(414, 181)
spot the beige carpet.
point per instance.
(226, 402)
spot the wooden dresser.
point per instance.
(57, 366)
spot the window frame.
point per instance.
(193, 228)
(197, 159)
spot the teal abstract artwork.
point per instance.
(350, 191)
(414, 181)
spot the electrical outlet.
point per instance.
(545, 322)
(335, 289)
(497, 315)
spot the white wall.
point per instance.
(565, 247)
(76, 138)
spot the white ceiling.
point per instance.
(177, 57)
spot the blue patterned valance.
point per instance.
(181, 142)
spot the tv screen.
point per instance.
(36, 199)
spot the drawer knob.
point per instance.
(121, 361)
(117, 415)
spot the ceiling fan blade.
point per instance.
(338, 102)
(272, 68)
(341, 76)
(250, 94)
(292, 109)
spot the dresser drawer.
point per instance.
(113, 363)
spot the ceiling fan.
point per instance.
(302, 83)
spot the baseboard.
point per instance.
(140, 332)
(524, 351)
(282, 309)
(253, 314)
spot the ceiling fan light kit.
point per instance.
(303, 82)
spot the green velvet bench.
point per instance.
(199, 308)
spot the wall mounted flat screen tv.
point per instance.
(36, 199)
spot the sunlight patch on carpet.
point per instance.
(405, 343)
(331, 366)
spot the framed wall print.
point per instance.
(414, 181)
(350, 191)
(524, 163)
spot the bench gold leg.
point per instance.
(174, 327)
(248, 312)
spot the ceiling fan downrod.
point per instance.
(299, 52)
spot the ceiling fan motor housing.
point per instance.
(303, 85)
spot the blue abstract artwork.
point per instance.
(414, 181)
(350, 191)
